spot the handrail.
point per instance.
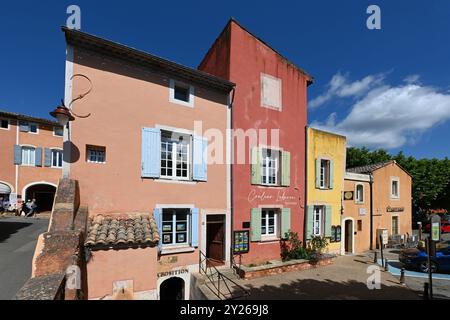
(236, 267)
(212, 272)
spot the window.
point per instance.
(175, 156)
(324, 174)
(359, 225)
(395, 191)
(28, 127)
(181, 93)
(96, 154)
(175, 226)
(359, 193)
(270, 92)
(28, 156)
(318, 220)
(4, 124)
(58, 131)
(34, 128)
(57, 158)
(270, 167)
(269, 223)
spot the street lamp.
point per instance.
(62, 114)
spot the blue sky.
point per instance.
(382, 88)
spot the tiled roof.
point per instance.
(369, 168)
(18, 116)
(128, 229)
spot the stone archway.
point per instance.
(172, 289)
(43, 192)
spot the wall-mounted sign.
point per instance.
(281, 196)
(241, 242)
(246, 225)
(349, 195)
(435, 227)
(395, 209)
(172, 273)
(335, 234)
(362, 211)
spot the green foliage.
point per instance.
(318, 244)
(431, 177)
(292, 248)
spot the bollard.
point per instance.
(402, 276)
(425, 291)
(386, 266)
(375, 257)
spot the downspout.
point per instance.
(231, 177)
(305, 206)
(371, 211)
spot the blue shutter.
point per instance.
(157, 214)
(17, 154)
(194, 227)
(47, 157)
(151, 152)
(38, 155)
(200, 166)
(24, 126)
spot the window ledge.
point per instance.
(269, 239)
(162, 180)
(174, 250)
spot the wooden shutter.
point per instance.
(157, 214)
(285, 222)
(200, 165)
(331, 174)
(328, 220)
(256, 165)
(151, 153)
(318, 162)
(309, 222)
(285, 169)
(17, 154)
(38, 157)
(47, 157)
(194, 227)
(255, 224)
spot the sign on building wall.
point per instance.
(335, 234)
(349, 195)
(362, 211)
(395, 209)
(241, 242)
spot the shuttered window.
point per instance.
(270, 167)
(28, 156)
(57, 158)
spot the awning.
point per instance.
(4, 189)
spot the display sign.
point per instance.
(172, 273)
(395, 209)
(335, 234)
(349, 195)
(362, 211)
(241, 242)
(435, 227)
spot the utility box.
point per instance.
(384, 237)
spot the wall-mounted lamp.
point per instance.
(62, 114)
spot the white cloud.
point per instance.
(390, 117)
(339, 86)
(412, 79)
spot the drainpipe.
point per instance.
(305, 206)
(371, 211)
(231, 177)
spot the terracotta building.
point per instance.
(30, 159)
(389, 202)
(326, 168)
(144, 162)
(269, 119)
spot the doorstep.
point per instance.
(277, 267)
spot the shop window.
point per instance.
(175, 227)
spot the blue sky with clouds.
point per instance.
(382, 88)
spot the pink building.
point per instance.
(155, 192)
(269, 120)
(30, 159)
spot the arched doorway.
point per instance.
(44, 194)
(348, 237)
(172, 289)
(5, 190)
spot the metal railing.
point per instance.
(219, 283)
(236, 265)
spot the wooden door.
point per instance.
(215, 238)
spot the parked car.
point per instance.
(417, 259)
(445, 227)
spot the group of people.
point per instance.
(28, 209)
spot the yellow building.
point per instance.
(326, 153)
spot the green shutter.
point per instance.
(328, 217)
(256, 165)
(309, 221)
(318, 173)
(285, 222)
(256, 224)
(285, 169)
(331, 174)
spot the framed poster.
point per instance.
(241, 242)
(167, 227)
(338, 234)
(181, 226)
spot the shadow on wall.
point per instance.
(9, 228)
(328, 290)
(75, 152)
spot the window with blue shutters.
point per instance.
(178, 227)
(151, 153)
